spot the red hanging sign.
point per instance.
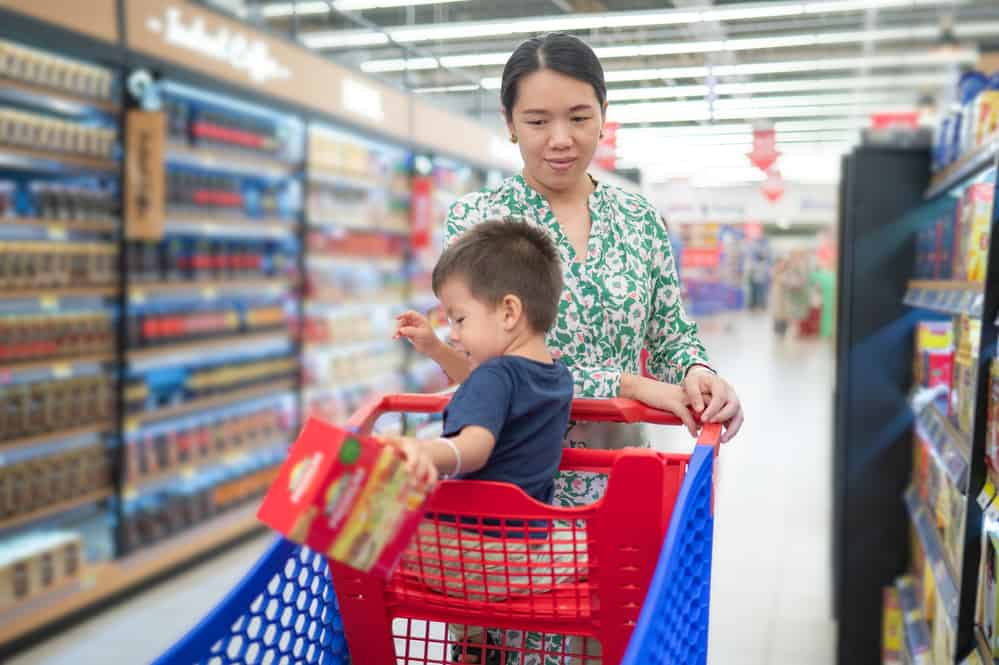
(421, 211)
(895, 120)
(764, 154)
(773, 187)
(606, 154)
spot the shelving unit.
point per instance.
(59, 238)
(955, 429)
(210, 313)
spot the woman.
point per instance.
(621, 290)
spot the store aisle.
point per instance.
(771, 602)
(772, 585)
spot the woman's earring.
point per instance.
(513, 138)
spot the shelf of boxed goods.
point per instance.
(190, 406)
(236, 227)
(170, 352)
(107, 580)
(58, 228)
(975, 161)
(40, 96)
(235, 161)
(56, 508)
(44, 161)
(207, 290)
(53, 438)
(915, 632)
(948, 297)
(936, 557)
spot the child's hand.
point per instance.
(419, 463)
(417, 329)
(666, 397)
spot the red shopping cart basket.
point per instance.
(491, 572)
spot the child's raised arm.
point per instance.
(417, 329)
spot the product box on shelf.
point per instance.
(976, 223)
(347, 496)
(934, 353)
(41, 68)
(943, 637)
(962, 404)
(892, 631)
(36, 562)
(987, 598)
(992, 425)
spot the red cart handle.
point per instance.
(617, 410)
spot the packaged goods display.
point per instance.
(41, 68)
(37, 562)
(975, 210)
(41, 265)
(347, 496)
(935, 243)
(26, 337)
(36, 131)
(992, 426)
(37, 407)
(40, 482)
(67, 200)
(962, 405)
(195, 259)
(934, 364)
(971, 120)
(158, 325)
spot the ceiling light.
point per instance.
(411, 64)
(469, 87)
(354, 40)
(284, 9)
(625, 116)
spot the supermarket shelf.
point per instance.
(36, 160)
(55, 509)
(916, 634)
(153, 481)
(340, 350)
(58, 227)
(314, 392)
(360, 228)
(110, 579)
(236, 161)
(949, 297)
(220, 226)
(950, 447)
(979, 159)
(65, 292)
(55, 365)
(209, 289)
(982, 646)
(204, 346)
(333, 310)
(53, 99)
(332, 262)
(206, 403)
(360, 183)
(935, 556)
(51, 437)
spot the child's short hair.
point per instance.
(508, 256)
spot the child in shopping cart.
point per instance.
(500, 286)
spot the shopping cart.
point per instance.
(546, 584)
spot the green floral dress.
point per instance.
(623, 297)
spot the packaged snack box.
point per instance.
(347, 496)
(978, 216)
(992, 426)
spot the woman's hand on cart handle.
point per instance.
(715, 399)
(659, 395)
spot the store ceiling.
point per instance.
(817, 68)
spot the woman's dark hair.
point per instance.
(558, 52)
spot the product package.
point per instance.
(962, 406)
(934, 354)
(976, 226)
(892, 633)
(992, 424)
(347, 496)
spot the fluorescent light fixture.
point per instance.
(311, 7)
(794, 85)
(411, 64)
(773, 101)
(606, 20)
(353, 40)
(625, 116)
(433, 90)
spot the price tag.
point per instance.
(57, 233)
(138, 296)
(48, 303)
(209, 293)
(129, 493)
(62, 371)
(188, 472)
(132, 426)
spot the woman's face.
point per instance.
(557, 121)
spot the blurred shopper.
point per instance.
(759, 269)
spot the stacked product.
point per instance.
(971, 122)
(211, 315)
(357, 215)
(59, 235)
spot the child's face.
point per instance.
(477, 329)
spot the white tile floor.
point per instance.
(771, 600)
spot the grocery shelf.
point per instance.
(363, 228)
(339, 350)
(99, 427)
(236, 161)
(55, 509)
(152, 481)
(331, 261)
(112, 578)
(58, 227)
(60, 101)
(312, 392)
(950, 447)
(207, 403)
(949, 297)
(210, 344)
(935, 556)
(982, 646)
(56, 366)
(63, 292)
(975, 161)
(36, 160)
(220, 226)
(208, 289)
(346, 181)
(916, 634)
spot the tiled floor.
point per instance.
(771, 600)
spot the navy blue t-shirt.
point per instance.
(525, 405)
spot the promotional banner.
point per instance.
(764, 153)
